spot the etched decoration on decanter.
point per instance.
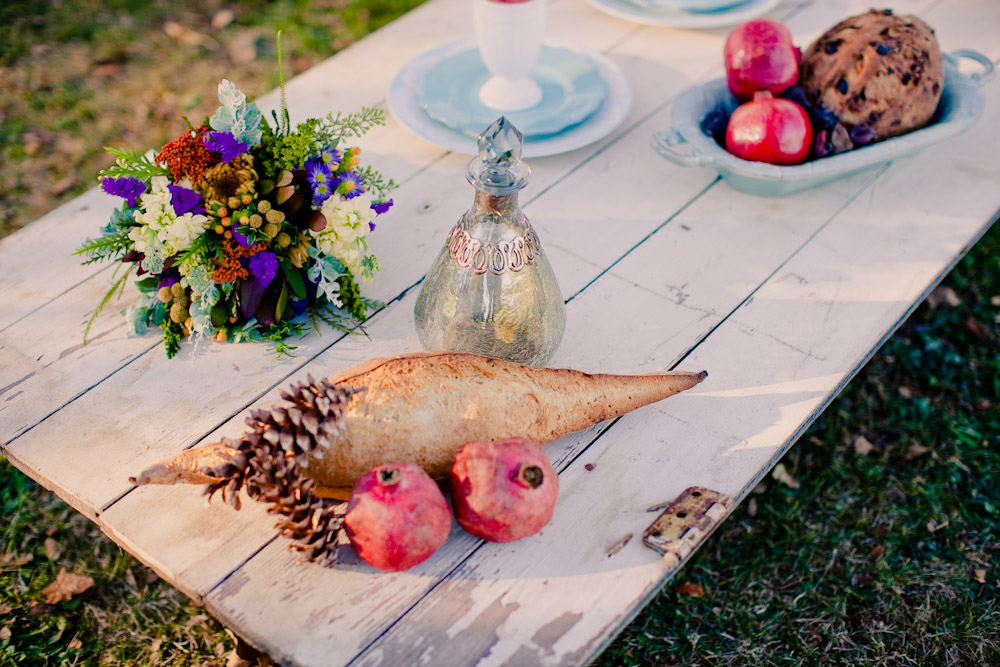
(491, 290)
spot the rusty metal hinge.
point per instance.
(686, 523)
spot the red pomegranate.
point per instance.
(769, 129)
(503, 490)
(759, 55)
(397, 517)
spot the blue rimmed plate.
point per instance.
(695, 6)
(643, 11)
(572, 90)
(404, 103)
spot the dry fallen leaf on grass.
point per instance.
(689, 590)
(4, 633)
(52, 549)
(916, 450)
(781, 474)
(943, 295)
(66, 586)
(980, 576)
(863, 446)
(75, 643)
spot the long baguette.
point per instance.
(424, 407)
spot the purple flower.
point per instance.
(185, 200)
(331, 157)
(350, 185)
(264, 266)
(168, 278)
(242, 240)
(129, 188)
(225, 144)
(321, 180)
(381, 207)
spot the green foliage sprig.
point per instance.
(355, 124)
(113, 242)
(287, 151)
(378, 187)
(134, 165)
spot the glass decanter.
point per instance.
(491, 291)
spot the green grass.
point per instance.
(874, 559)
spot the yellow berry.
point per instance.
(232, 319)
(228, 234)
(226, 221)
(221, 336)
(271, 230)
(222, 212)
(220, 229)
(164, 295)
(264, 206)
(275, 216)
(283, 240)
(255, 221)
(246, 199)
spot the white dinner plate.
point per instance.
(676, 18)
(405, 104)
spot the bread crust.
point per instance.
(877, 69)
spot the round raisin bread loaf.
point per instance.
(877, 70)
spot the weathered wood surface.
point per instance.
(781, 300)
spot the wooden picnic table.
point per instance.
(782, 300)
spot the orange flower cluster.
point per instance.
(187, 156)
(229, 268)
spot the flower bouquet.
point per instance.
(236, 229)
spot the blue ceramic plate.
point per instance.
(666, 13)
(695, 6)
(572, 90)
(685, 143)
(405, 93)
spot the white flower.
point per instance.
(174, 232)
(347, 224)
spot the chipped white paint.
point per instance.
(781, 300)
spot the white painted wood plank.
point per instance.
(187, 541)
(45, 363)
(36, 263)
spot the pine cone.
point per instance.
(270, 459)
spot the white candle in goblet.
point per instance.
(509, 35)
